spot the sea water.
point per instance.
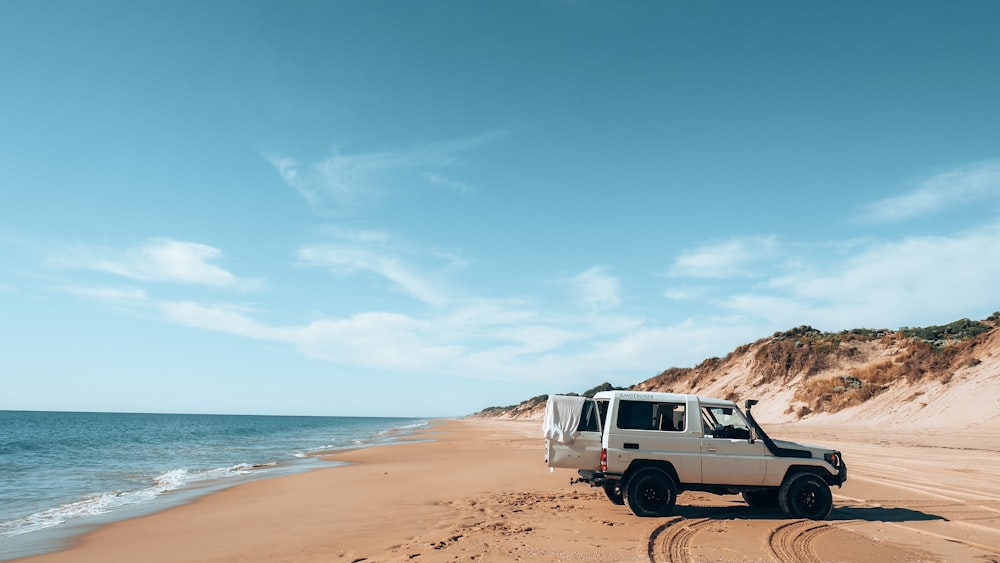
(62, 473)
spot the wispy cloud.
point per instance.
(346, 179)
(914, 280)
(962, 185)
(871, 283)
(597, 289)
(157, 260)
(481, 339)
(359, 255)
(440, 180)
(109, 294)
(737, 257)
(224, 318)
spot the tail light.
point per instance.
(604, 459)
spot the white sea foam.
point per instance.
(54, 489)
(91, 506)
(171, 480)
(103, 503)
(398, 429)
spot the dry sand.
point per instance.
(481, 491)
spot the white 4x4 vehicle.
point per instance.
(644, 448)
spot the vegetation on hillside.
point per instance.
(800, 354)
(934, 352)
(532, 403)
(513, 410)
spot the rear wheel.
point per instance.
(651, 492)
(806, 496)
(614, 491)
(762, 499)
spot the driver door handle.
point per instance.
(712, 449)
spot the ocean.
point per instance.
(64, 473)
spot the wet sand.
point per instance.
(480, 491)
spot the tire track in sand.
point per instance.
(793, 542)
(671, 540)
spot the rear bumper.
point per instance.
(597, 477)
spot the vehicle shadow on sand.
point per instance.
(840, 513)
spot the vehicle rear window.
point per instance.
(589, 418)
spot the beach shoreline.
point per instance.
(65, 474)
(479, 490)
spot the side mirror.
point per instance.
(753, 434)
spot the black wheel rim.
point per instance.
(653, 495)
(807, 500)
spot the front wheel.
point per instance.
(651, 492)
(806, 496)
(614, 491)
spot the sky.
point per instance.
(425, 208)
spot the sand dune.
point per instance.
(903, 382)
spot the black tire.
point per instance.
(614, 491)
(805, 495)
(651, 492)
(767, 498)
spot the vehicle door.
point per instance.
(727, 456)
(578, 447)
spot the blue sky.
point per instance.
(427, 208)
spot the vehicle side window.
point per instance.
(588, 418)
(724, 422)
(648, 415)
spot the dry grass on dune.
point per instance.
(816, 372)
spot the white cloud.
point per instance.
(159, 260)
(380, 340)
(914, 281)
(597, 289)
(346, 179)
(442, 181)
(222, 318)
(962, 185)
(346, 258)
(683, 293)
(479, 340)
(110, 294)
(452, 258)
(737, 257)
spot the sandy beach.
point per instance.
(479, 490)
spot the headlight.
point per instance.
(832, 458)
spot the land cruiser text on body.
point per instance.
(644, 448)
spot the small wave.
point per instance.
(380, 437)
(414, 425)
(170, 481)
(92, 506)
(403, 429)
